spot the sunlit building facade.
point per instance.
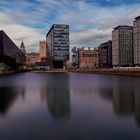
(136, 34)
(88, 57)
(42, 49)
(122, 46)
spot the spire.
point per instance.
(22, 47)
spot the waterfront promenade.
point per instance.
(116, 71)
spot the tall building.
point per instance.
(136, 37)
(58, 44)
(122, 46)
(10, 54)
(42, 49)
(105, 55)
(22, 48)
(88, 57)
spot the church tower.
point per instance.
(22, 48)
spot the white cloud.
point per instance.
(19, 32)
(90, 24)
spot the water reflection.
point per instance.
(57, 96)
(124, 93)
(7, 97)
(40, 106)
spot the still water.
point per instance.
(60, 106)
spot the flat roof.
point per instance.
(122, 26)
(106, 42)
(54, 25)
(138, 17)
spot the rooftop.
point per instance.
(123, 26)
(138, 17)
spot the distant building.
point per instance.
(42, 49)
(136, 33)
(122, 46)
(58, 44)
(22, 48)
(75, 57)
(88, 57)
(105, 55)
(10, 54)
(32, 58)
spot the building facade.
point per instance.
(42, 49)
(88, 57)
(136, 37)
(122, 46)
(75, 57)
(105, 55)
(10, 54)
(58, 44)
(32, 58)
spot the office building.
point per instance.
(136, 37)
(122, 46)
(58, 44)
(105, 55)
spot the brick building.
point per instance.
(88, 57)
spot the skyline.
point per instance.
(90, 21)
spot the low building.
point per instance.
(32, 58)
(88, 57)
(105, 55)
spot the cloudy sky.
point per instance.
(91, 21)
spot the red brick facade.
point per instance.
(88, 58)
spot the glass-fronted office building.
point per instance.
(58, 44)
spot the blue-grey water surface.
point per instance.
(68, 106)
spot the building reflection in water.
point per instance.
(124, 95)
(137, 101)
(57, 95)
(7, 97)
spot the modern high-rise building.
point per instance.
(42, 49)
(136, 37)
(122, 46)
(58, 44)
(105, 54)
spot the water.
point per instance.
(60, 106)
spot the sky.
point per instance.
(91, 21)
